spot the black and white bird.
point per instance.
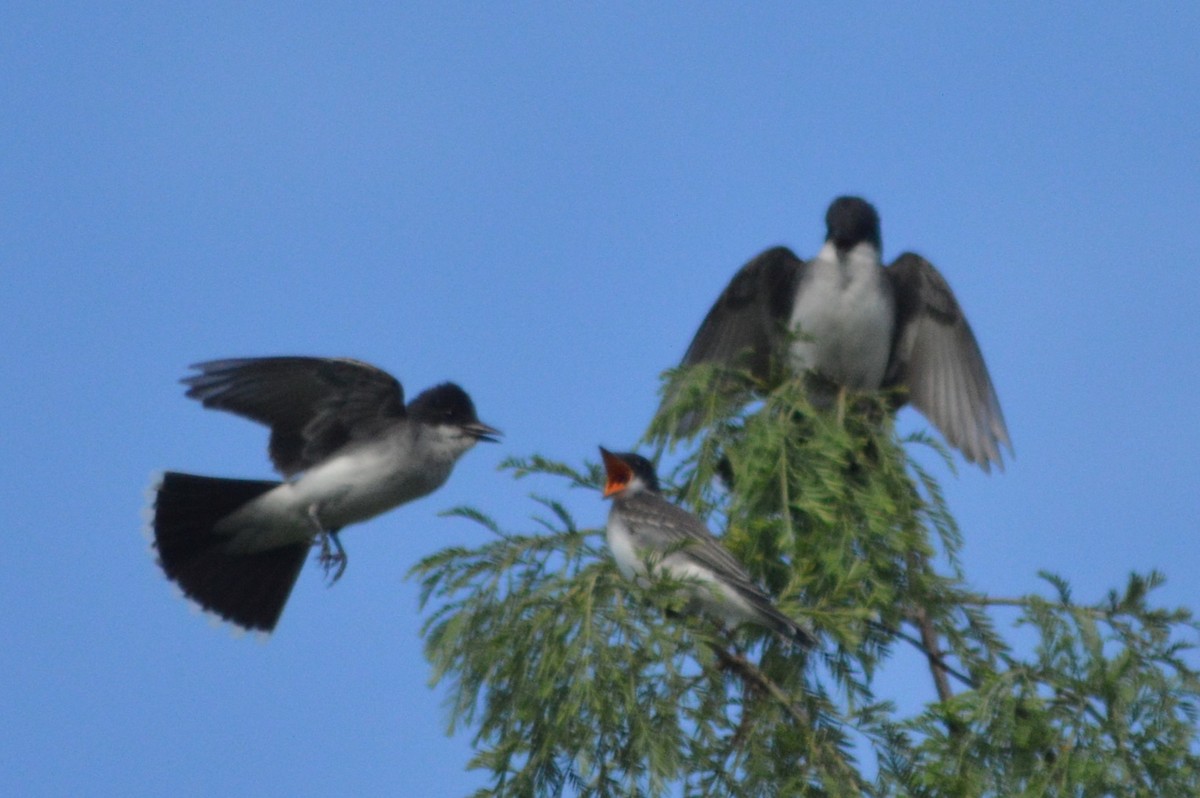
(349, 449)
(643, 527)
(844, 320)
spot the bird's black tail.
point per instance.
(246, 589)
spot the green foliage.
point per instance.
(577, 682)
(1106, 706)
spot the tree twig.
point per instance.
(935, 657)
(749, 673)
(937, 665)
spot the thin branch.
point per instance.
(980, 600)
(1096, 612)
(937, 665)
(935, 658)
(749, 673)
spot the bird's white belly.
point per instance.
(630, 561)
(843, 318)
(343, 490)
(362, 484)
(709, 592)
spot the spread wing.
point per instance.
(748, 322)
(747, 325)
(313, 405)
(936, 358)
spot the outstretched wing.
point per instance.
(313, 405)
(936, 358)
(748, 322)
(747, 325)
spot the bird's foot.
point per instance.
(332, 557)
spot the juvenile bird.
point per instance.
(643, 526)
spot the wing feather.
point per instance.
(937, 359)
(747, 325)
(312, 405)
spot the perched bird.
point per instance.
(348, 448)
(643, 526)
(844, 320)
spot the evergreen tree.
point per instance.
(578, 682)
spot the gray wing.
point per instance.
(747, 325)
(660, 526)
(313, 405)
(936, 358)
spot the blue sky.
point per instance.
(539, 201)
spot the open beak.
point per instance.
(482, 432)
(617, 471)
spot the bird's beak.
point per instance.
(482, 432)
(617, 471)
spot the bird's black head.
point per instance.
(851, 221)
(642, 468)
(447, 404)
(622, 467)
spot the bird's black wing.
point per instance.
(313, 405)
(936, 358)
(747, 325)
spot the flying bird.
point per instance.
(844, 320)
(644, 527)
(349, 449)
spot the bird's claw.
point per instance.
(332, 557)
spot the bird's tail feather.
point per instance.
(786, 627)
(248, 589)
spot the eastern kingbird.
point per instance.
(348, 448)
(844, 320)
(644, 527)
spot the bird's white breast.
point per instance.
(372, 479)
(620, 538)
(843, 316)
